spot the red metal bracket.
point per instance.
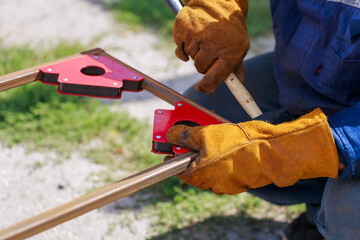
(93, 76)
(183, 114)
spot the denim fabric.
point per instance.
(262, 86)
(259, 82)
(345, 126)
(317, 54)
(339, 213)
(317, 64)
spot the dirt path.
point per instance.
(33, 182)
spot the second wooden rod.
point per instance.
(96, 199)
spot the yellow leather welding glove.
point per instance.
(235, 157)
(214, 34)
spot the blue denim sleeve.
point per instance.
(345, 126)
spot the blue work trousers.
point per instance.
(332, 204)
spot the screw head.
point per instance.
(160, 112)
(134, 77)
(115, 84)
(158, 136)
(179, 104)
(65, 79)
(96, 57)
(49, 69)
(178, 148)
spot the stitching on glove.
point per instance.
(217, 157)
(188, 172)
(246, 134)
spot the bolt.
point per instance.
(49, 69)
(96, 57)
(65, 79)
(115, 84)
(134, 77)
(158, 137)
(179, 104)
(178, 148)
(160, 112)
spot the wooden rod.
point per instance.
(163, 92)
(243, 96)
(32, 74)
(96, 199)
(238, 90)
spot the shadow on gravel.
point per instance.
(162, 192)
(238, 227)
(158, 203)
(98, 2)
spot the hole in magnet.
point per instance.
(187, 123)
(93, 71)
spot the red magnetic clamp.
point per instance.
(91, 75)
(183, 114)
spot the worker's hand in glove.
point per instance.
(235, 157)
(214, 34)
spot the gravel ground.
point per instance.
(33, 182)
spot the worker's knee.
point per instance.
(339, 214)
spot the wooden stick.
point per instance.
(242, 96)
(32, 74)
(233, 83)
(165, 93)
(96, 199)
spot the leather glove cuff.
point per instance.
(236, 157)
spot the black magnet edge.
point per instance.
(163, 147)
(90, 90)
(132, 85)
(50, 77)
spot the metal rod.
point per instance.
(98, 198)
(174, 5)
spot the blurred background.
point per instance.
(54, 148)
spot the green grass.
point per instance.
(259, 18)
(143, 13)
(35, 112)
(20, 57)
(156, 15)
(36, 116)
(175, 206)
